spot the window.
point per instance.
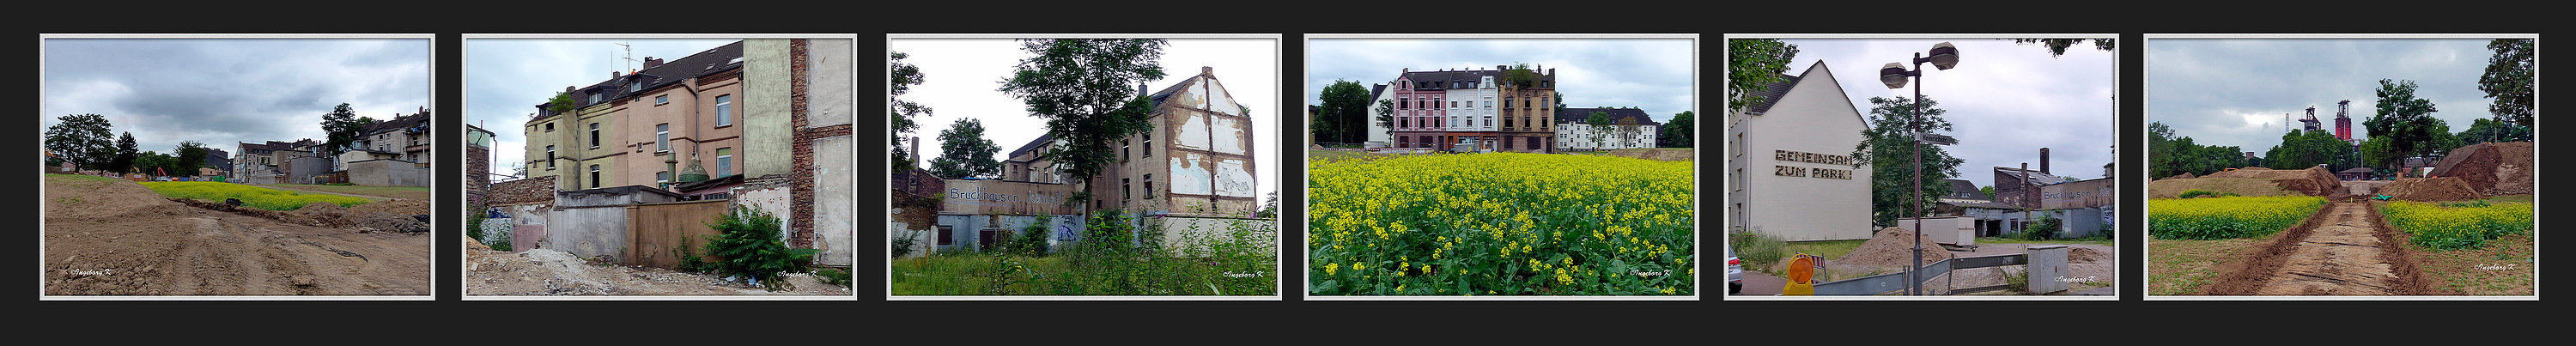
(1149, 144)
(594, 176)
(947, 235)
(550, 127)
(663, 178)
(1126, 192)
(1149, 186)
(1404, 103)
(662, 138)
(661, 100)
(634, 86)
(550, 157)
(1122, 151)
(594, 135)
(724, 161)
(724, 110)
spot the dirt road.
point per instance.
(118, 238)
(2342, 250)
(544, 272)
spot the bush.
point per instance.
(749, 248)
(2194, 193)
(903, 246)
(1759, 250)
(833, 276)
(2043, 229)
(1031, 240)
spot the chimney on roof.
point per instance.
(1500, 67)
(650, 62)
(615, 74)
(567, 88)
(2043, 160)
(1140, 89)
(1207, 70)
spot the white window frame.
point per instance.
(662, 138)
(724, 110)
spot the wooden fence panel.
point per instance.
(655, 230)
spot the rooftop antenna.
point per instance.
(629, 57)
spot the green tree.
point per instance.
(1341, 115)
(1752, 65)
(126, 152)
(191, 156)
(2380, 151)
(903, 113)
(964, 152)
(156, 164)
(2406, 120)
(344, 128)
(2489, 130)
(1988, 190)
(1600, 122)
(2057, 46)
(1085, 89)
(82, 139)
(2508, 80)
(1888, 148)
(1678, 132)
(2303, 149)
(1386, 114)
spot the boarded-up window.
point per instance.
(947, 235)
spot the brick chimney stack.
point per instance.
(651, 62)
(2043, 160)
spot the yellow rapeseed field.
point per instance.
(1500, 223)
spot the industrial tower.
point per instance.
(2343, 120)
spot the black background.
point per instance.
(870, 319)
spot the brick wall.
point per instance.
(531, 190)
(478, 177)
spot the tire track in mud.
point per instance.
(2343, 249)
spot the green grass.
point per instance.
(251, 196)
(411, 192)
(1339, 155)
(2180, 267)
(1760, 253)
(77, 177)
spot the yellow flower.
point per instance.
(1331, 268)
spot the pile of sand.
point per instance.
(2490, 168)
(2250, 187)
(1891, 247)
(2085, 255)
(2313, 181)
(75, 198)
(2430, 189)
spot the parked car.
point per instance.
(1734, 272)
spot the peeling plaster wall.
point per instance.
(1234, 178)
(1217, 100)
(1229, 136)
(1191, 174)
(1192, 132)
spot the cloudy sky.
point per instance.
(2234, 91)
(506, 78)
(2004, 100)
(1651, 74)
(224, 91)
(961, 76)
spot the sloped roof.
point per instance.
(2034, 177)
(1963, 189)
(1771, 94)
(1580, 115)
(398, 123)
(1033, 145)
(708, 62)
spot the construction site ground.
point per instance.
(106, 236)
(545, 272)
(2091, 268)
(2347, 247)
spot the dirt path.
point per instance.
(2342, 250)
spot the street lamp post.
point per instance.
(1895, 75)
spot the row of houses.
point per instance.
(761, 123)
(1195, 170)
(393, 152)
(1441, 109)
